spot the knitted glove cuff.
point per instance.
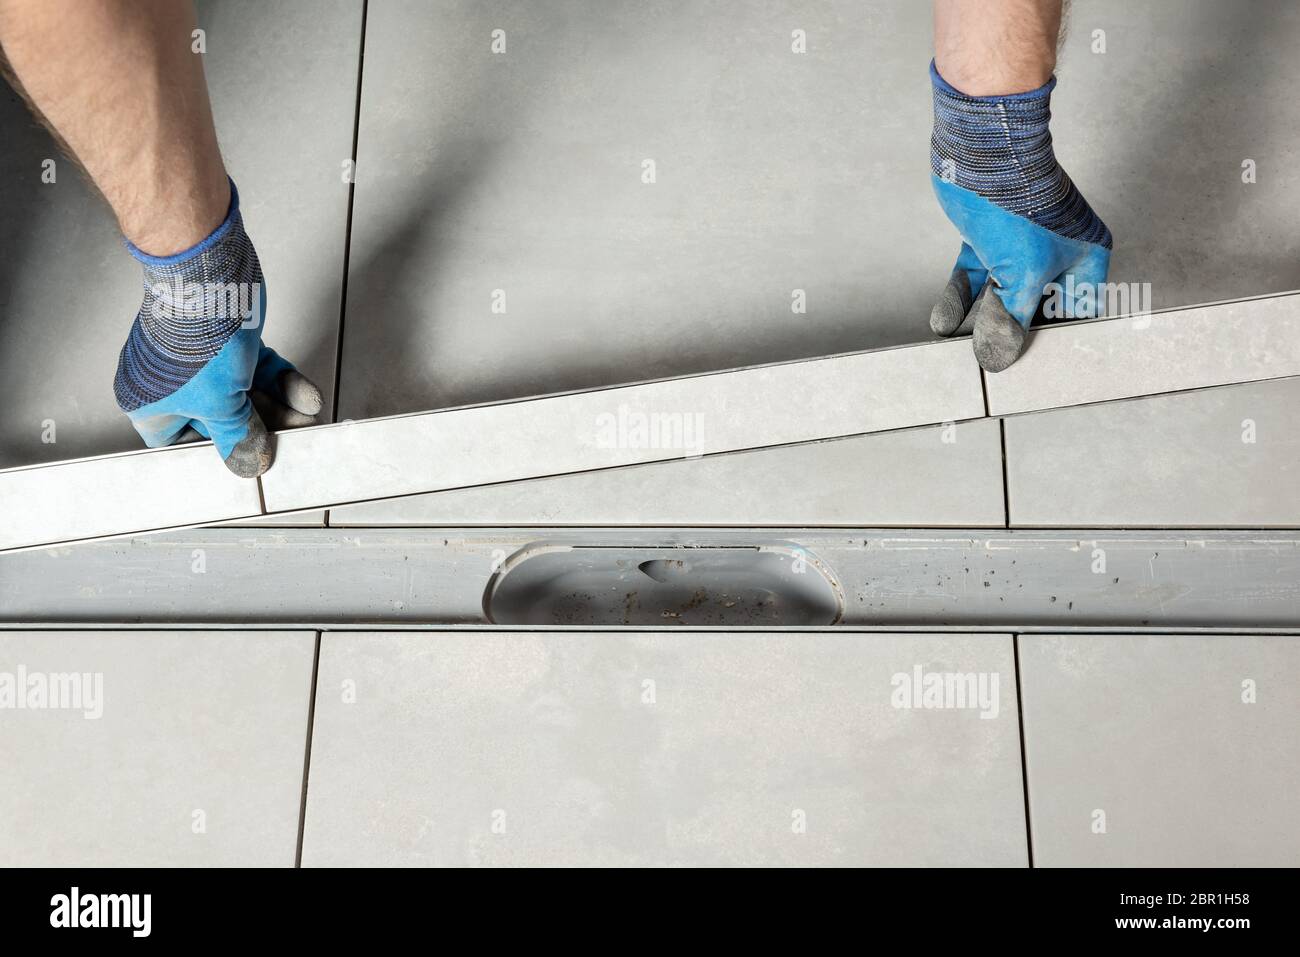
(193, 303)
(1000, 147)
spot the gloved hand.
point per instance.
(1022, 221)
(194, 358)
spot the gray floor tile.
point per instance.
(283, 82)
(631, 425)
(1215, 458)
(118, 494)
(1188, 226)
(1086, 362)
(195, 757)
(949, 475)
(1152, 739)
(521, 172)
(776, 171)
(491, 748)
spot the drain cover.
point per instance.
(547, 584)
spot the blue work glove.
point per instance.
(1022, 221)
(195, 360)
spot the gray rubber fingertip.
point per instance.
(998, 339)
(946, 317)
(252, 456)
(950, 311)
(300, 393)
(293, 419)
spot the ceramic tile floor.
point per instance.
(520, 171)
(152, 748)
(629, 425)
(902, 478)
(1196, 348)
(489, 748)
(1161, 751)
(1213, 458)
(659, 749)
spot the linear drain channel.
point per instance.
(775, 585)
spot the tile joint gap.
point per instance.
(1006, 482)
(1024, 756)
(306, 756)
(347, 233)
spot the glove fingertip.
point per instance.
(300, 393)
(999, 337)
(948, 313)
(954, 303)
(253, 454)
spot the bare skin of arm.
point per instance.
(996, 47)
(118, 84)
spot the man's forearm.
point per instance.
(122, 90)
(996, 47)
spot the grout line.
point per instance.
(1002, 440)
(1006, 480)
(347, 238)
(261, 496)
(1024, 756)
(306, 756)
